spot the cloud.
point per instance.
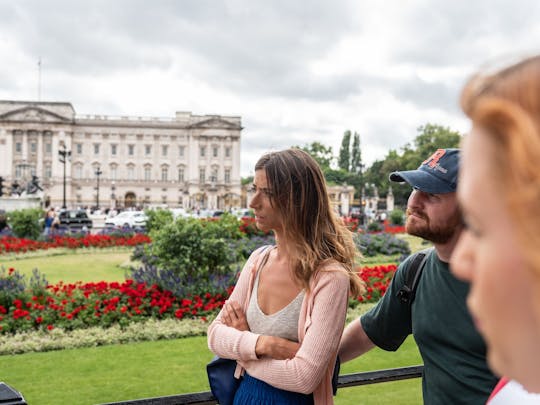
(295, 72)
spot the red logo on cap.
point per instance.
(433, 160)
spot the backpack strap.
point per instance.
(413, 272)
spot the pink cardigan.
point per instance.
(320, 326)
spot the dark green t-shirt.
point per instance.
(454, 354)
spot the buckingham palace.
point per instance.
(189, 161)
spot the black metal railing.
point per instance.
(345, 380)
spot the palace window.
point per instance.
(202, 175)
(131, 150)
(213, 176)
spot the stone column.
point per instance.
(39, 162)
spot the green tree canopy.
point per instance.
(322, 154)
(430, 137)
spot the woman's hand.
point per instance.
(276, 347)
(233, 315)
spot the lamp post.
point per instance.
(64, 155)
(98, 173)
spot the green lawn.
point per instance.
(149, 369)
(141, 370)
(70, 267)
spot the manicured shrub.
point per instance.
(157, 219)
(380, 244)
(197, 252)
(397, 217)
(246, 246)
(374, 226)
(25, 223)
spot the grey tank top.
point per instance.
(283, 323)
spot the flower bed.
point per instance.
(10, 244)
(83, 305)
(377, 279)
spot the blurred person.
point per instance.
(49, 219)
(3, 220)
(455, 367)
(285, 317)
(499, 252)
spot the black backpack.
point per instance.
(413, 272)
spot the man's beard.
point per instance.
(437, 234)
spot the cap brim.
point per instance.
(422, 181)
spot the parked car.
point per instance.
(242, 212)
(128, 218)
(75, 219)
(205, 213)
(180, 212)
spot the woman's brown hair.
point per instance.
(314, 233)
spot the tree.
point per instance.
(322, 154)
(356, 158)
(344, 161)
(430, 137)
(246, 180)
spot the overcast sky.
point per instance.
(295, 71)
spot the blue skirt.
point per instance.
(254, 391)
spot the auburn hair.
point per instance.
(506, 104)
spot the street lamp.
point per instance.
(64, 155)
(98, 173)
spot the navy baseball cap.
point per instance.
(437, 174)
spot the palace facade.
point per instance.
(189, 161)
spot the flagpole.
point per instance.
(39, 79)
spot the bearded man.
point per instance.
(454, 354)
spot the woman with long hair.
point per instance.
(284, 319)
